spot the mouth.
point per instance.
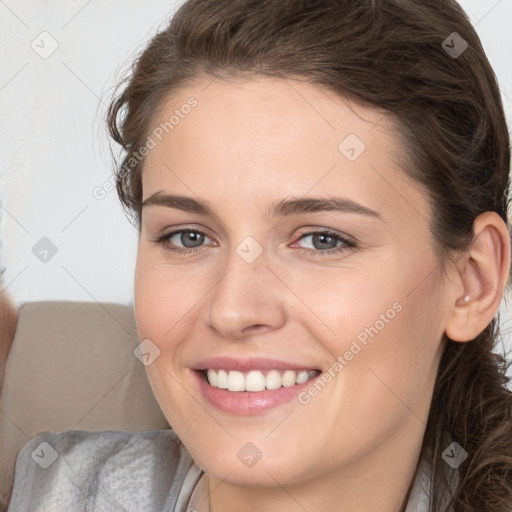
(257, 380)
(251, 386)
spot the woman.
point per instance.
(320, 193)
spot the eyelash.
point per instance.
(346, 244)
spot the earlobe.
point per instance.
(483, 274)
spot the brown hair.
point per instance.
(391, 55)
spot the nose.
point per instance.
(247, 299)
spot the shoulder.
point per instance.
(96, 445)
(110, 469)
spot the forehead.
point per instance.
(252, 110)
(267, 135)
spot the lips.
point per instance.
(246, 365)
(251, 386)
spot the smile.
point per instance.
(251, 386)
(256, 380)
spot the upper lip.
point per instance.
(245, 365)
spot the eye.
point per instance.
(190, 238)
(328, 242)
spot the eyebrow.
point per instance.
(285, 207)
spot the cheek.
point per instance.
(385, 329)
(386, 350)
(164, 312)
(161, 298)
(402, 355)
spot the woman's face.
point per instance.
(265, 167)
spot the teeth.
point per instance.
(212, 378)
(222, 380)
(272, 380)
(236, 381)
(302, 377)
(256, 380)
(288, 378)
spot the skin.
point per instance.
(256, 142)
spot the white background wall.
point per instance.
(54, 146)
(55, 150)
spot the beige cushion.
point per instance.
(71, 366)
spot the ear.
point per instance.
(483, 273)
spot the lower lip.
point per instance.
(248, 402)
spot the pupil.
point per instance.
(193, 235)
(322, 237)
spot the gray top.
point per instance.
(116, 471)
(104, 471)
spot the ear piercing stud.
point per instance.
(466, 299)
